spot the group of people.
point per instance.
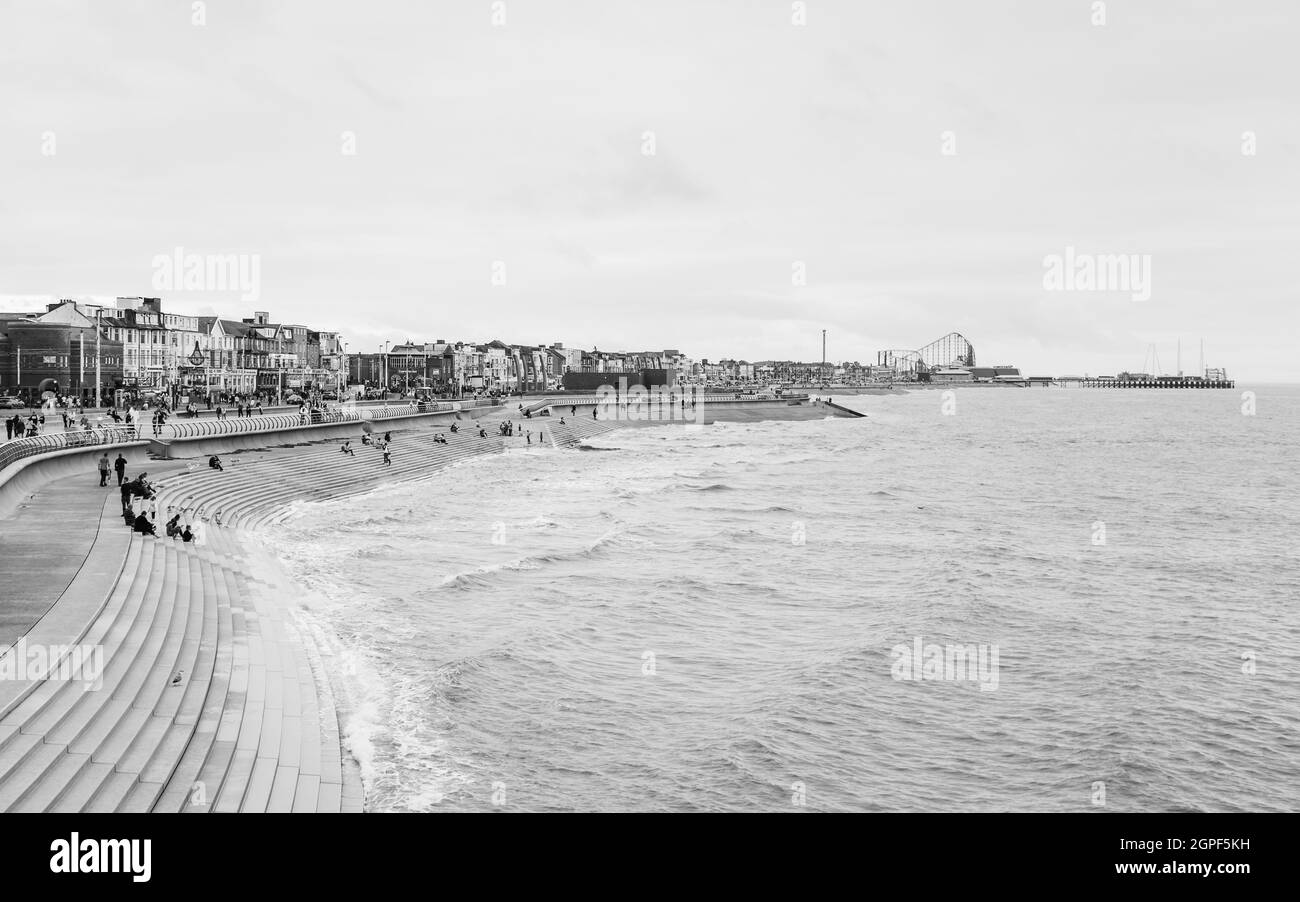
(139, 514)
(508, 429)
(17, 427)
(380, 443)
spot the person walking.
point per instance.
(103, 469)
(9, 428)
(120, 466)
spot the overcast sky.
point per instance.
(128, 131)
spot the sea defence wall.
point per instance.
(20, 479)
(711, 405)
(841, 410)
(205, 445)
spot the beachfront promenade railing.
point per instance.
(19, 448)
(646, 397)
(204, 428)
(117, 434)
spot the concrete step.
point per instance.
(69, 714)
(179, 790)
(122, 606)
(22, 708)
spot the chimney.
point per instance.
(261, 317)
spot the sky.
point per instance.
(723, 177)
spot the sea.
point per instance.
(979, 599)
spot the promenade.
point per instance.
(213, 694)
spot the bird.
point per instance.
(176, 680)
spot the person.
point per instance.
(561, 421)
(186, 535)
(593, 412)
(143, 525)
(120, 466)
(239, 410)
(573, 410)
(173, 527)
(482, 433)
(9, 428)
(215, 463)
(347, 449)
(141, 487)
(124, 489)
(103, 469)
(530, 436)
(455, 428)
(388, 457)
(388, 437)
(365, 438)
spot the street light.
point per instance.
(385, 350)
(339, 382)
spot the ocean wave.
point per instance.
(481, 576)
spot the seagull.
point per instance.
(176, 680)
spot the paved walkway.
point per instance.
(43, 545)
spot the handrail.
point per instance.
(117, 434)
(192, 428)
(102, 436)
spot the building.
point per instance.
(56, 352)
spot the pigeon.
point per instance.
(176, 680)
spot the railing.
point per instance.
(20, 448)
(187, 427)
(198, 428)
(272, 422)
(647, 397)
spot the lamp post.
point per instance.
(824, 356)
(98, 380)
(385, 350)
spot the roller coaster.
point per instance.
(951, 350)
